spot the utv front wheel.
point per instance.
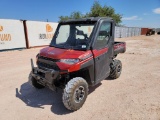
(34, 82)
(116, 68)
(75, 93)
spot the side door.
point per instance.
(103, 50)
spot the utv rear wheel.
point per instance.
(34, 82)
(116, 68)
(75, 93)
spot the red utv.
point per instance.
(81, 54)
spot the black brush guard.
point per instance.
(45, 77)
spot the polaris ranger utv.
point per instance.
(81, 54)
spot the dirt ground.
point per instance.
(133, 96)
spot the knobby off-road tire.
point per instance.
(75, 93)
(116, 68)
(34, 82)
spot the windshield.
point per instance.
(73, 36)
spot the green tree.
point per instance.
(64, 18)
(76, 15)
(73, 15)
(96, 10)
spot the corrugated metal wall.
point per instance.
(121, 32)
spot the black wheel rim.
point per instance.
(79, 94)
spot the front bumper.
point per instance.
(45, 77)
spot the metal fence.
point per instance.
(121, 32)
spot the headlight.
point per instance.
(69, 61)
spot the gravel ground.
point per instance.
(135, 95)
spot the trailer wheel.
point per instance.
(34, 82)
(116, 68)
(75, 93)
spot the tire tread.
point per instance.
(68, 91)
(113, 73)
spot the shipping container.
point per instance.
(144, 31)
(11, 34)
(40, 33)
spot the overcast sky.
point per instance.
(136, 13)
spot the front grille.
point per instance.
(42, 65)
(50, 59)
(48, 63)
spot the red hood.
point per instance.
(57, 53)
